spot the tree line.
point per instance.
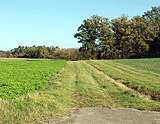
(41, 52)
(120, 38)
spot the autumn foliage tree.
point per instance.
(123, 44)
(153, 19)
(121, 38)
(105, 38)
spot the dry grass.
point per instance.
(78, 84)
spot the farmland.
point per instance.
(21, 77)
(141, 75)
(144, 64)
(94, 83)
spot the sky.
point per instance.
(54, 22)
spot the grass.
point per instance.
(152, 64)
(142, 80)
(78, 84)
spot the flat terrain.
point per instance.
(139, 77)
(82, 84)
(152, 64)
(22, 77)
(96, 115)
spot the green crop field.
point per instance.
(21, 77)
(93, 83)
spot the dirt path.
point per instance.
(107, 116)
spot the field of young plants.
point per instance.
(18, 78)
(95, 83)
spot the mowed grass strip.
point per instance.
(18, 78)
(78, 84)
(143, 81)
(149, 64)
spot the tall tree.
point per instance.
(88, 34)
(106, 39)
(153, 17)
(123, 45)
(92, 32)
(139, 36)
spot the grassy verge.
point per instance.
(78, 84)
(143, 81)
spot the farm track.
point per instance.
(92, 76)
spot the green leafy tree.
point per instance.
(106, 39)
(88, 34)
(138, 36)
(43, 52)
(91, 33)
(31, 53)
(123, 45)
(153, 19)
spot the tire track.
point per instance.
(119, 84)
(132, 73)
(143, 85)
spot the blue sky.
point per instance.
(54, 22)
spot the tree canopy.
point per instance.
(121, 37)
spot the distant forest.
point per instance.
(119, 38)
(41, 52)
